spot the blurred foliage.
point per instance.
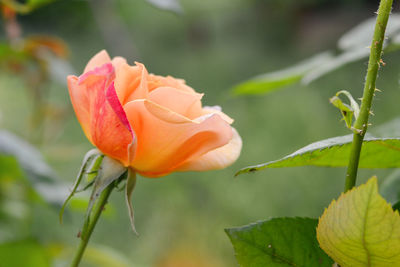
(213, 45)
(25, 6)
(23, 253)
(352, 46)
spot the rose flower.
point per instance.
(153, 124)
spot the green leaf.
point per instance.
(334, 63)
(352, 47)
(26, 7)
(274, 80)
(9, 168)
(27, 253)
(278, 242)
(360, 36)
(396, 206)
(103, 256)
(95, 255)
(390, 188)
(168, 5)
(334, 152)
(41, 177)
(361, 229)
(346, 110)
(389, 128)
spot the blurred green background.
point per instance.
(213, 45)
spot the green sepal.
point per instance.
(129, 187)
(109, 171)
(91, 163)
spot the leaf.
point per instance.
(352, 47)
(361, 35)
(346, 110)
(334, 63)
(103, 256)
(396, 206)
(26, 7)
(390, 188)
(130, 186)
(334, 152)
(278, 242)
(95, 255)
(169, 5)
(9, 168)
(390, 128)
(27, 253)
(278, 79)
(40, 175)
(361, 229)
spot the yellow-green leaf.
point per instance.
(361, 229)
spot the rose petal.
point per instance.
(163, 145)
(182, 102)
(156, 81)
(104, 127)
(97, 61)
(216, 159)
(80, 103)
(131, 82)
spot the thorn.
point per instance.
(79, 234)
(371, 113)
(360, 98)
(369, 124)
(383, 63)
(377, 90)
(358, 131)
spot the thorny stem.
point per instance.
(361, 123)
(102, 201)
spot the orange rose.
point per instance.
(153, 124)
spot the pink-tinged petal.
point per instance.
(131, 82)
(163, 146)
(112, 98)
(216, 159)
(107, 126)
(181, 102)
(113, 101)
(106, 70)
(97, 61)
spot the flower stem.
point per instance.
(102, 201)
(361, 123)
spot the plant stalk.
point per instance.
(361, 123)
(102, 201)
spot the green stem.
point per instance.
(102, 201)
(361, 123)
